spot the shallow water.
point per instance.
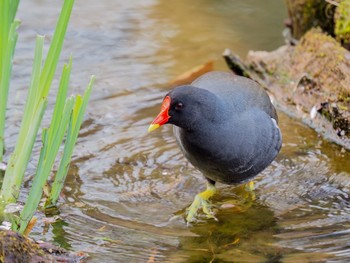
(127, 190)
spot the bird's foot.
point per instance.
(249, 191)
(201, 201)
(250, 186)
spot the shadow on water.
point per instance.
(127, 190)
(243, 233)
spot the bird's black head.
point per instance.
(187, 107)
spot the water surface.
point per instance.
(127, 190)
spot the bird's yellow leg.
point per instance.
(250, 186)
(248, 193)
(201, 200)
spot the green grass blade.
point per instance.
(13, 9)
(52, 139)
(60, 98)
(47, 157)
(18, 161)
(56, 47)
(67, 116)
(72, 135)
(14, 174)
(8, 40)
(4, 29)
(33, 93)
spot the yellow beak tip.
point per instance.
(152, 127)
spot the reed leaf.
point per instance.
(25, 141)
(56, 47)
(20, 157)
(52, 139)
(67, 116)
(8, 40)
(72, 135)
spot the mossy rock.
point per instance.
(307, 14)
(342, 23)
(16, 248)
(310, 81)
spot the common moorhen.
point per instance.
(226, 126)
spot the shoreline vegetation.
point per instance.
(62, 132)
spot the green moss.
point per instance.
(17, 248)
(342, 22)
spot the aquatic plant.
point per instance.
(8, 40)
(66, 119)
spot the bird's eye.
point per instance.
(179, 106)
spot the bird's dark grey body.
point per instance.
(233, 137)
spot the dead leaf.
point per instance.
(30, 226)
(192, 74)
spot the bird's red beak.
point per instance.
(163, 116)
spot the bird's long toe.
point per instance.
(201, 201)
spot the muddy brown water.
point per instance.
(127, 190)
